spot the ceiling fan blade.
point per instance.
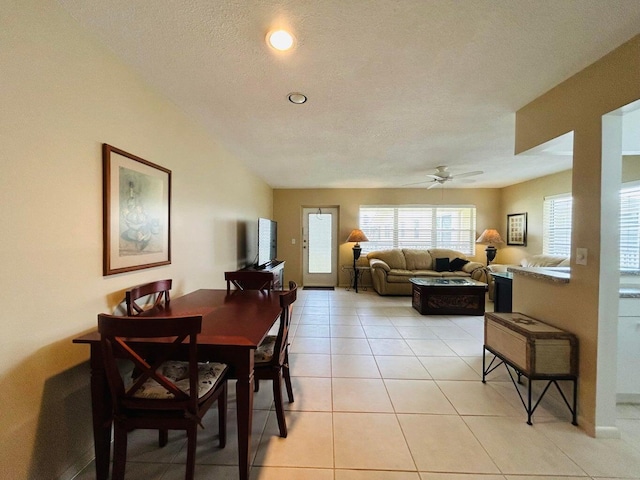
(415, 183)
(468, 174)
(436, 177)
(434, 184)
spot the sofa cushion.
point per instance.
(442, 264)
(544, 261)
(445, 252)
(394, 258)
(457, 264)
(418, 259)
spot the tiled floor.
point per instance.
(382, 393)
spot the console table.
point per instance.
(533, 349)
(276, 268)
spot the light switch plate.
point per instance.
(581, 256)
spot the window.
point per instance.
(419, 226)
(630, 227)
(556, 230)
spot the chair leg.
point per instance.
(192, 440)
(119, 452)
(287, 378)
(163, 437)
(277, 397)
(256, 384)
(222, 416)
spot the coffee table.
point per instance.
(448, 296)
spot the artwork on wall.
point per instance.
(136, 212)
(517, 229)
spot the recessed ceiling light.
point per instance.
(280, 40)
(297, 98)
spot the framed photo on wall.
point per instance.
(517, 229)
(136, 212)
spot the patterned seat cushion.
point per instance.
(264, 353)
(178, 373)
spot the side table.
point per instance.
(359, 271)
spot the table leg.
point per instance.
(244, 400)
(101, 412)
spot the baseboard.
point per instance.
(607, 432)
(79, 465)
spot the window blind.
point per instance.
(556, 231)
(419, 226)
(630, 227)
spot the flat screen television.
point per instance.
(267, 241)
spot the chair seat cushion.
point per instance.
(178, 373)
(264, 352)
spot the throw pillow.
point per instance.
(457, 264)
(442, 264)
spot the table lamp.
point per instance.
(357, 236)
(489, 237)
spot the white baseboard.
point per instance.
(607, 432)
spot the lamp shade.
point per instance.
(357, 235)
(490, 235)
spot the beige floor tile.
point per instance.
(320, 309)
(278, 473)
(313, 330)
(406, 321)
(449, 368)
(375, 331)
(360, 395)
(416, 332)
(401, 311)
(465, 348)
(341, 310)
(630, 431)
(545, 477)
(370, 441)
(450, 332)
(462, 476)
(309, 442)
(518, 448)
(475, 362)
(597, 457)
(418, 396)
(310, 365)
(401, 367)
(202, 472)
(350, 346)
(354, 366)
(390, 346)
(628, 410)
(476, 398)
(347, 331)
(148, 471)
(430, 348)
(550, 406)
(309, 319)
(444, 443)
(375, 475)
(310, 394)
(377, 321)
(310, 345)
(142, 446)
(344, 319)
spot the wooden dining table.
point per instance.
(233, 325)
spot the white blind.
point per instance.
(419, 226)
(556, 231)
(630, 227)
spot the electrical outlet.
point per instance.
(293, 241)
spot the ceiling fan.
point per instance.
(442, 175)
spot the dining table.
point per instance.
(233, 325)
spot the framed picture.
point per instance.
(136, 212)
(517, 229)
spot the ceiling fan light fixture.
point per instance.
(280, 40)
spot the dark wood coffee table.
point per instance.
(448, 296)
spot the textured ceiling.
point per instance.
(395, 87)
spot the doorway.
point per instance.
(319, 246)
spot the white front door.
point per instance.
(320, 247)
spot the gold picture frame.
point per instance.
(136, 212)
(517, 229)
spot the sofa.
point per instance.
(547, 261)
(392, 269)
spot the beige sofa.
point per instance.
(530, 261)
(392, 269)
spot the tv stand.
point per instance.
(276, 267)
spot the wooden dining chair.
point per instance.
(249, 280)
(271, 358)
(160, 288)
(166, 394)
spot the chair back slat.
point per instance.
(249, 280)
(160, 288)
(124, 338)
(282, 340)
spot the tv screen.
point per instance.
(267, 241)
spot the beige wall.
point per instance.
(578, 105)
(62, 96)
(288, 204)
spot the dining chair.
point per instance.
(166, 394)
(160, 288)
(271, 359)
(249, 280)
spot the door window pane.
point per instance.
(320, 247)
